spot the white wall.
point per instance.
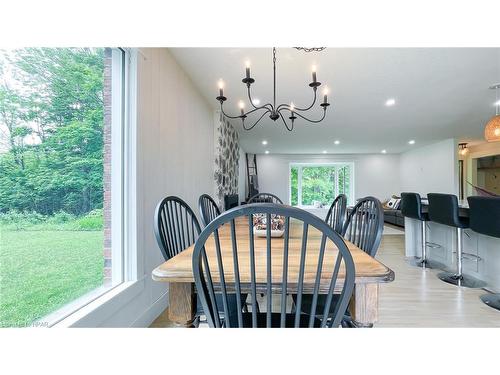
(242, 175)
(175, 153)
(432, 168)
(374, 174)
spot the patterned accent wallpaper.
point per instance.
(227, 150)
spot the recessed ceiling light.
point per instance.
(390, 102)
(264, 142)
(324, 151)
(267, 151)
(337, 142)
(256, 101)
(411, 142)
(384, 151)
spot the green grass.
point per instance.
(43, 270)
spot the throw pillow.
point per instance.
(393, 203)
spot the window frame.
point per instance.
(94, 307)
(336, 164)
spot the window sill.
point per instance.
(100, 309)
(312, 208)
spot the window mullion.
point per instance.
(299, 186)
(336, 189)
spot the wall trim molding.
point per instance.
(152, 312)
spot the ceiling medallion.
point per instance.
(275, 111)
(310, 49)
(492, 128)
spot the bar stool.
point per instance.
(443, 209)
(484, 215)
(411, 206)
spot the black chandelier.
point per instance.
(275, 112)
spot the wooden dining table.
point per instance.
(363, 306)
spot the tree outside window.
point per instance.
(310, 184)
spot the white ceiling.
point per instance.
(440, 93)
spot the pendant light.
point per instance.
(276, 111)
(462, 149)
(492, 129)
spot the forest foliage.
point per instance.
(51, 123)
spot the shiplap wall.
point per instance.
(175, 151)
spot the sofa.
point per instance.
(393, 215)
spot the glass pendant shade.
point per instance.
(492, 129)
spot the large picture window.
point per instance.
(62, 121)
(319, 184)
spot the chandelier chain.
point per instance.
(274, 77)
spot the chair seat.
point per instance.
(231, 302)
(320, 305)
(276, 320)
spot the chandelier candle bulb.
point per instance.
(314, 73)
(247, 69)
(325, 97)
(221, 88)
(242, 107)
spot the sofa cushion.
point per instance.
(390, 212)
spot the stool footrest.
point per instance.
(469, 256)
(473, 257)
(433, 245)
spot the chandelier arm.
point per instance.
(253, 105)
(256, 122)
(245, 113)
(226, 115)
(313, 121)
(256, 109)
(287, 106)
(285, 123)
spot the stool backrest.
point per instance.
(411, 206)
(484, 215)
(443, 209)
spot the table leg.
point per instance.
(364, 305)
(182, 304)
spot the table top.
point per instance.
(368, 269)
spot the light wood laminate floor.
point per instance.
(417, 298)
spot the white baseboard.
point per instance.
(152, 312)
